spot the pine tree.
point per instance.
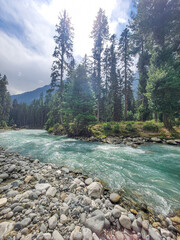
(126, 63)
(5, 101)
(100, 33)
(62, 54)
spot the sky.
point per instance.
(27, 28)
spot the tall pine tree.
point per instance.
(62, 54)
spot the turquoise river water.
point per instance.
(152, 171)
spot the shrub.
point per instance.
(151, 127)
(130, 127)
(107, 126)
(116, 128)
(3, 124)
(50, 130)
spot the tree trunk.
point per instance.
(155, 116)
(167, 122)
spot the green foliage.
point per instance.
(130, 127)
(116, 128)
(3, 124)
(151, 127)
(107, 126)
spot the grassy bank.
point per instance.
(127, 129)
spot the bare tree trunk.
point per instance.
(167, 122)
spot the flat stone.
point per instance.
(5, 228)
(171, 142)
(155, 139)
(51, 192)
(3, 201)
(116, 213)
(95, 190)
(114, 197)
(42, 186)
(125, 222)
(52, 222)
(57, 236)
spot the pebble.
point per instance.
(52, 222)
(125, 222)
(3, 201)
(114, 197)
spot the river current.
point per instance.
(151, 171)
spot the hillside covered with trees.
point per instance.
(99, 89)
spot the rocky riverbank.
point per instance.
(44, 201)
(130, 141)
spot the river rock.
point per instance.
(51, 192)
(47, 236)
(77, 236)
(12, 193)
(43, 228)
(42, 186)
(114, 197)
(5, 228)
(96, 223)
(64, 169)
(119, 235)
(18, 209)
(11, 168)
(171, 142)
(95, 190)
(52, 222)
(144, 234)
(116, 213)
(154, 235)
(125, 222)
(25, 222)
(57, 236)
(3, 201)
(4, 176)
(87, 234)
(28, 178)
(135, 226)
(145, 224)
(88, 181)
(165, 233)
(121, 209)
(175, 219)
(157, 140)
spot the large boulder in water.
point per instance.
(95, 190)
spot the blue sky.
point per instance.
(27, 28)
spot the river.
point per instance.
(152, 171)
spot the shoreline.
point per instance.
(77, 203)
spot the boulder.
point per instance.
(153, 234)
(95, 190)
(135, 226)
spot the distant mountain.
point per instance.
(28, 97)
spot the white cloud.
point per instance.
(26, 59)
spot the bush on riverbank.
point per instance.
(123, 129)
